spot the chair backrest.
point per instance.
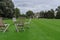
(28, 21)
(1, 22)
(22, 20)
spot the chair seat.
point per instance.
(20, 24)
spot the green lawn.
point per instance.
(40, 29)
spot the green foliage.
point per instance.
(16, 12)
(47, 14)
(7, 8)
(50, 14)
(1, 12)
(58, 12)
(58, 15)
(58, 8)
(29, 13)
(42, 14)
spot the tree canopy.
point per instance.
(29, 13)
(16, 12)
(6, 8)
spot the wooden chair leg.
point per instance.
(22, 29)
(6, 25)
(16, 28)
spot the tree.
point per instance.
(58, 8)
(16, 12)
(7, 8)
(49, 14)
(58, 12)
(1, 13)
(42, 14)
(29, 13)
(45, 14)
(58, 15)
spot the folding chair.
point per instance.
(3, 27)
(19, 25)
(28, 23)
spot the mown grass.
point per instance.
(40, 29)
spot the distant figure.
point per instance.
(14, 19)
(37, 16)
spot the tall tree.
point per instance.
(42, 14)
(58, 15)
(29, 13)
(7, 8)
(16, 12)
(51, 13)
(58, 12)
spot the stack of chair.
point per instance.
(19, 25)
(28, 23)
(3, 26)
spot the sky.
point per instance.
(36, 5)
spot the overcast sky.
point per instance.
(36, 5)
